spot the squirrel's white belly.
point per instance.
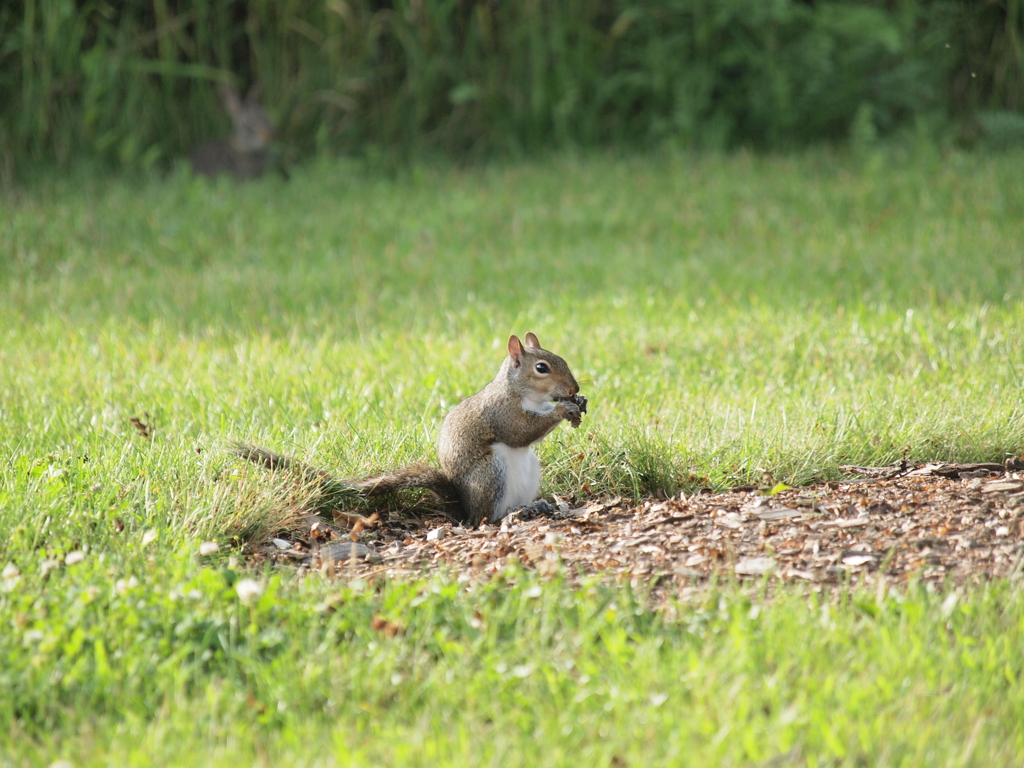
(520, 468)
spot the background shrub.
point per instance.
(131, 83)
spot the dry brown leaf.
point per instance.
(385, 627)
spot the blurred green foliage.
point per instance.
(131, 83)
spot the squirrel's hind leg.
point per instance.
(480, 491)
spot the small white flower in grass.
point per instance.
(74, 557)
(522, 670)
(534, 591)
(946, 609)
(121, 586)
(248, 590)
(9, 578)
(53, 473)
(208, 548)
(149, 537)
(657, 699)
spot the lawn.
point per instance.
(730, 318)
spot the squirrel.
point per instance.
(487, 464)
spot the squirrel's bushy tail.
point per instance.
(275, 462)
(404, 479)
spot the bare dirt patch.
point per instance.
(940, 523)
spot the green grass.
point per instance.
(164, 664)
(726, 316)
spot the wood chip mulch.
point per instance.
(940, 523)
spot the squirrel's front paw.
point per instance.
(575, 407)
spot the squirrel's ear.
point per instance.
(515, 350)
(531, 340)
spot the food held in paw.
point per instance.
(576, 417)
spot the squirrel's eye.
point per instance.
(542, 368)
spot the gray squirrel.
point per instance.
(487, 464)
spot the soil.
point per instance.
(944, 524)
